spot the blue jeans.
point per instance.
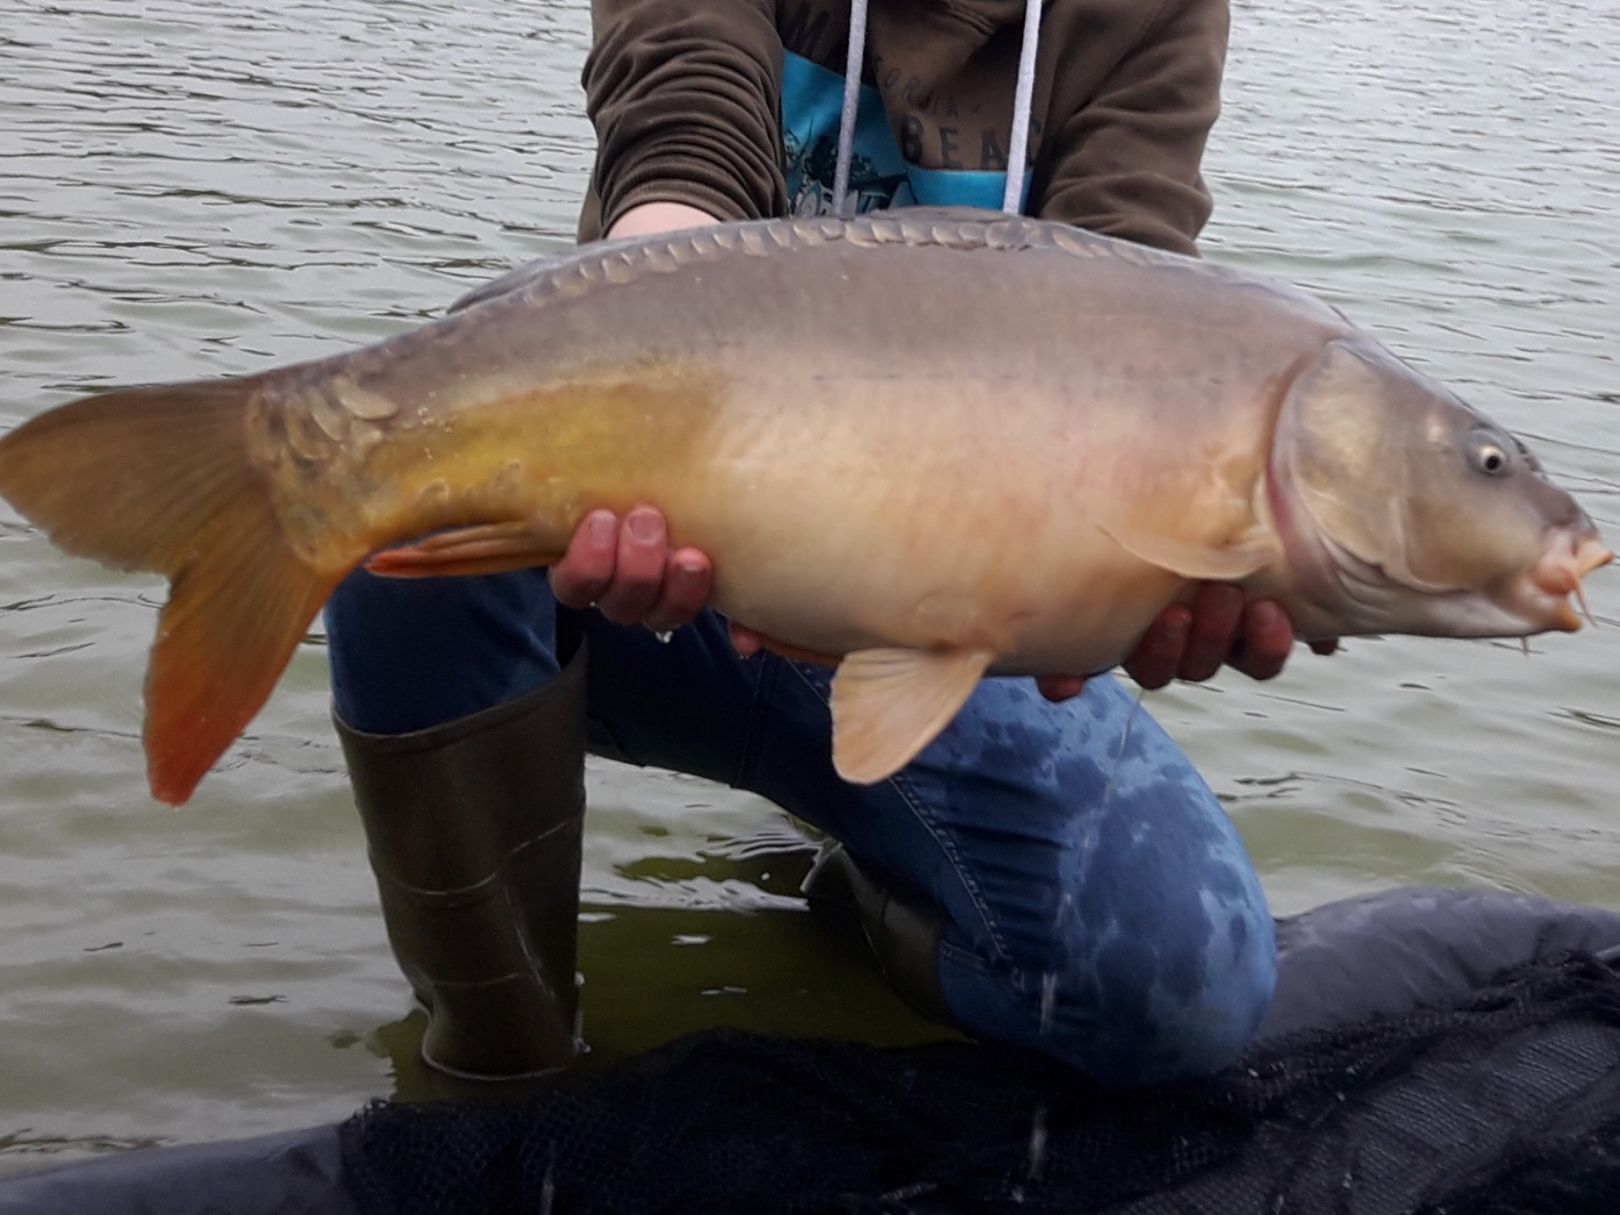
(1100, 907)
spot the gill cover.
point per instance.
(1338, 463)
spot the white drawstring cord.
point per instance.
(1023, 98)
(852, 100)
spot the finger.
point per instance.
(687, 582)
(587, 566)
(1215, 616)
(1154, 661)
(1058, 688)
(1268, 638)
(1324, 648)
(638, 571)
(746, 642)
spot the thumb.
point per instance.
(1058, 688)
(745, 641)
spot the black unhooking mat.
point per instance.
(1427, 1051)
(1507, 1100)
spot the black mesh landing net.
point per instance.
(1505, 1101)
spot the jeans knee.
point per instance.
(1167, 1007)
(1131, 1007)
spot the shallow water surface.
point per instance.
(192, 189)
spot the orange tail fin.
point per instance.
(162, 479)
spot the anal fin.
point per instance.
(888, 704)
(491, 548)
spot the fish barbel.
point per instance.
(933, 446)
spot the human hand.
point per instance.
(630, 573)
(1193, 642)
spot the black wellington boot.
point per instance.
(902, 928)
(473, 830)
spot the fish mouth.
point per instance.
(1545, 598)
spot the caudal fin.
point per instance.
(162, 479)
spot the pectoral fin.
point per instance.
(889, 704)
(1195, 562)
(493, 548)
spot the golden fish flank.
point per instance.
(930, 446)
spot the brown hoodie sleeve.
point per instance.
(683, 97)
(1125, 160)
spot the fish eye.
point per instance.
(1490, 456)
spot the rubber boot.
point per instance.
(473, 830)
(902, 928)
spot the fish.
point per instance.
(930, 447)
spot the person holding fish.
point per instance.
(921, 453)
(1051, 871)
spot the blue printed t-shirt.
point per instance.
(879, 176)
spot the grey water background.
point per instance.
(191, 189)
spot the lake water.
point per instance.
(192, 189)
